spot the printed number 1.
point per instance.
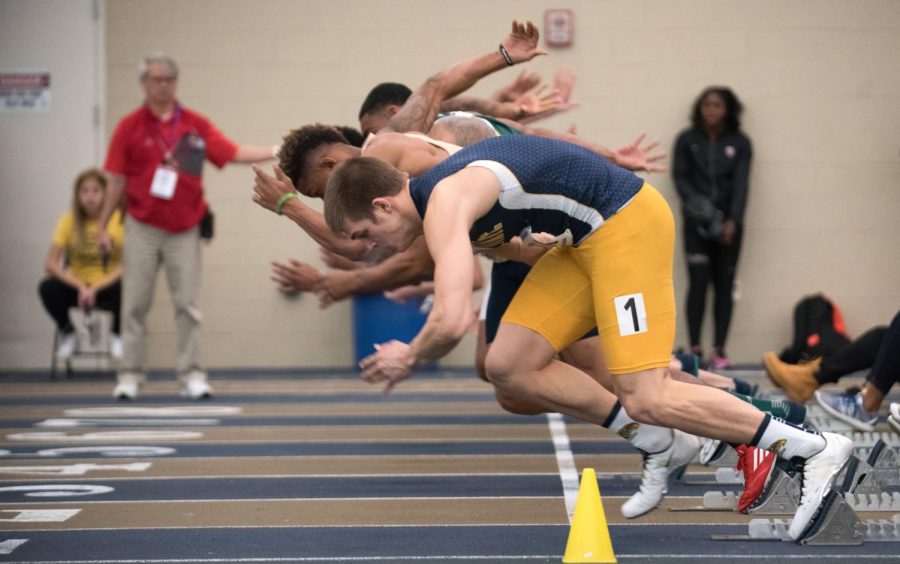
(630, 305)
(631, 314)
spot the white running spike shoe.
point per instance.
(655, 477)
(819, 472)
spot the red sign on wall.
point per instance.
(25, 91)
(559, 27)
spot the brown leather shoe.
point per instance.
(797, 381)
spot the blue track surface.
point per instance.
(102, 534)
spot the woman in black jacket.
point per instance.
(711, 170)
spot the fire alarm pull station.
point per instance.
(559, 28)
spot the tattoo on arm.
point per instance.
(419, 111)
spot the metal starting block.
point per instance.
(729, 476)
(859, 478)
(722, 477)
(873, 502)
(835, 524)
(860, 485)
(781, 496)
(720, 501)
(885, 463)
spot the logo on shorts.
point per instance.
(629, 430)
(777, 447)
(489, 240)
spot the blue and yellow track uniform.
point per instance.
(617, 274)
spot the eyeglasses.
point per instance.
(161, 79)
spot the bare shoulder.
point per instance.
(385, 146)
(474, 188)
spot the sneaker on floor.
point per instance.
(115, 346)
(894, 422)
(655, 476)
(127, 387)
(67, 346)
(711, 450)
(818, 474)
(195, 386)
(847, 408)
(718, 362)
(756, 465)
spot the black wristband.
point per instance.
(506, 56)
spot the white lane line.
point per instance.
(9, 545)
(568, 473)
(38, 515)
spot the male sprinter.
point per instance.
(308, 156)
(616, 275)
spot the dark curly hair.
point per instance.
(353, 135)
(299, 143)
(385, 94)
(733, 108)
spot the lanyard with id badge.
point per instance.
(166, 176)
(184, 154)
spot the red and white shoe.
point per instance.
(756, 465)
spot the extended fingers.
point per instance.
(651, 145)
(637, 142)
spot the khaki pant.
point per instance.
(146, 249)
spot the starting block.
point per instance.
(836, 522)
(722, 477)
(836, 526)
(881, 468)
(886, 464)
(859, 477)
(781, 496)
(861, 486)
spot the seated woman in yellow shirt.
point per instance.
(78, 275)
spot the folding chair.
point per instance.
(92, 332)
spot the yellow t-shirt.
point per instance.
(83, 257)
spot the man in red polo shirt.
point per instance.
(156, 155)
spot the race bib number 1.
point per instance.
(164, 182)
(631, 314)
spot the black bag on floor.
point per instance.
(818, 330)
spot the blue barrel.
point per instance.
(377, 320)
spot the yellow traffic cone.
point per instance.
(589, 535)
